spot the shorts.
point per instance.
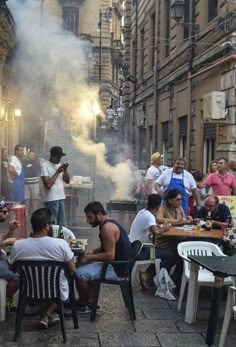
(89, 272)
(32, 191)
(5, 271)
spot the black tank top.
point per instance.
(122, 250)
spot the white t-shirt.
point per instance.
(16, 163)
(44, 248)
(189, 182)
(153, 173)
(56, 192)
(140, 227)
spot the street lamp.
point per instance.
(178, 9)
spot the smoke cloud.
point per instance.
(51, 70)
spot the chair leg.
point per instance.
(227, 317)
(62, 320)
(73, 305)
(196, 302)
(97, 286)
(182, 291)
(19, 314)
(126, 289)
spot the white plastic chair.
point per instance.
(68, 234)
(3, 290)
(142, 265)
(229, 309)
(205, 278)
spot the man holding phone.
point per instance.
(53, 175)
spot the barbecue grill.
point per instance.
(122, 206)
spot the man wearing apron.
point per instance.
(16, 174)
(180, 179)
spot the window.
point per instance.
(165, 132)
(212, 9)
(186, 19)
(167, 27)
(142, 53)
(183, 136)
(70, 17)
(152, 40)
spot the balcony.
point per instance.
(116, 50)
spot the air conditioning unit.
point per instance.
(214, 106)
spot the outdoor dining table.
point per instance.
(221, 267)
(188, 232)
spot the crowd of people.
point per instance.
(174, 197)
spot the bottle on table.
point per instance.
(229, 226)
(208, 225)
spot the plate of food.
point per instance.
(78, 244)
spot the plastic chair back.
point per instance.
(68, 234)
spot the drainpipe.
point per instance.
(135, 82)
(219, 62)
(156, 66)
(192, 21)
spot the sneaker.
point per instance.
(10, 306)
(44, 321)
(54, 319)
(80, 308)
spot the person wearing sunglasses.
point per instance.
(172, 212)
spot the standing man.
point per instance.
(53, 175)
(221, 182)
(232, 167)
(41, 246)
(178, 178)
(153, 172)
(115, 245)
(32, 174)
(4, 176)
(16, 174)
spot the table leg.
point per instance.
(215, 305)
(192, 295)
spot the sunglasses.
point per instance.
(4, 212)
(51, 222)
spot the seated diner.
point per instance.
(172, 212)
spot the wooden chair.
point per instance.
(39, 283)
(124, 283)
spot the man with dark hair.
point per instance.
(53, 175)
(40, 246)
(221, 182)
(115, 245)
(16, 174)
(178, 178)
(145, 224)
(220, 213)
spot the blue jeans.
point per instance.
(93, 271)
(57, 209)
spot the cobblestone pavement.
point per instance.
(158, 324)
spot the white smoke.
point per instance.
(55, 63)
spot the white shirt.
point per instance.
(44, 248)
(189, 182)
(140, 227)
(153, 173)
(56, 192)
(16, 163)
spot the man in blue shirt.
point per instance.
(220, 213)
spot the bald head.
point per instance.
(232, 164)
(211, 202)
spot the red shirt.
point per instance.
(221, 184)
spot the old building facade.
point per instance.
(176, 65)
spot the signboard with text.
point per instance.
(229, 201)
